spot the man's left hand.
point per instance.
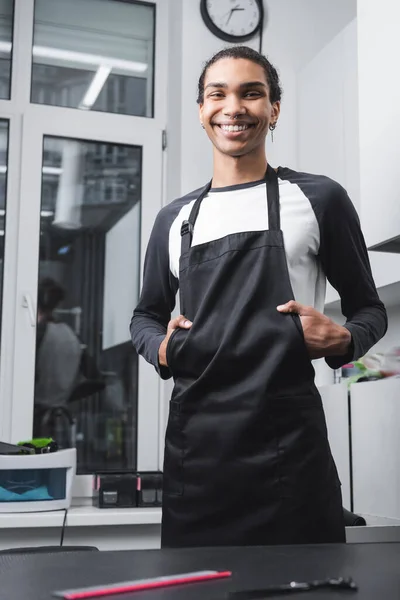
(323, 337)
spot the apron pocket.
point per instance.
(299, 327)
(307, 465)
(169, 348)
(173, 455)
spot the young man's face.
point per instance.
(236, 111)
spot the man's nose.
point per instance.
(233, 106)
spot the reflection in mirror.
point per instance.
(3, 198)
(86, 369)
(94, 55)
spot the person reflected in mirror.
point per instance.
(58, 355)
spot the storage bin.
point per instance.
(37, 482)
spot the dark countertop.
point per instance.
(374, 567)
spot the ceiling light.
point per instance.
(95, 87)
(94, 60)
(51, 170)
(5, 47)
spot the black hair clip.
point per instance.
(342, 583)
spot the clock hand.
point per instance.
(230, 14)
(236, 8)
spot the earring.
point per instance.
(272, 128)
(202, 124)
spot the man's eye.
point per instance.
(216, 95)
(252, 94)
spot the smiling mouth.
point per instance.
(234, 128)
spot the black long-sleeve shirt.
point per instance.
(323, 240)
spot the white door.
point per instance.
(87, 207)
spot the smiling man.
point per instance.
(247, 460)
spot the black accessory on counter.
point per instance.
(12, 449)
(115, 490)
(149, 489)
(341, 583)
(127, 490)
(353, 520)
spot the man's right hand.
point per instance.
(178, 323)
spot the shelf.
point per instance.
(392, 246)
(82, 516)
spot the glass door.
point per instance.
(89, 197)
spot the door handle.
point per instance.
(28, 304)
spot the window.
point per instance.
(89, 261)
(83, 190)
(6, 26)
(94, 55)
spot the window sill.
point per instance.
(82, 516)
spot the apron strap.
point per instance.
(274, 217)
(274, 224)
(188, 226)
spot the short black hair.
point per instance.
(275, 89)
(50, 295)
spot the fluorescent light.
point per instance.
(5, 47)
(2, 212)
(94, 60)
(46, 213)
(1, 232)
(51, 170)
(95, 87)
(45, 170)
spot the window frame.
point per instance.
(28, 124)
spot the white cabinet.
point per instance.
(370, 464)
(375, 418)
(379, 123)
(327, 112)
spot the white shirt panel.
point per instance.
(230, 211)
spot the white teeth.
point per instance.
(234, 127)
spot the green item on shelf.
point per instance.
(40, 445)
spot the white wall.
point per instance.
(392, 337)
(295, 31)
(121, 277)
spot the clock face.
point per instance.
(233, 18)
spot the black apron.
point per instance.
(247, 460)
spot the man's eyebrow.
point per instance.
(253, 84)
(216, 84)
(246, 84)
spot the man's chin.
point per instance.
(234, 150)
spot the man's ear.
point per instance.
(201, 114)
(276, 111)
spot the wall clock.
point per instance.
(234, 21)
